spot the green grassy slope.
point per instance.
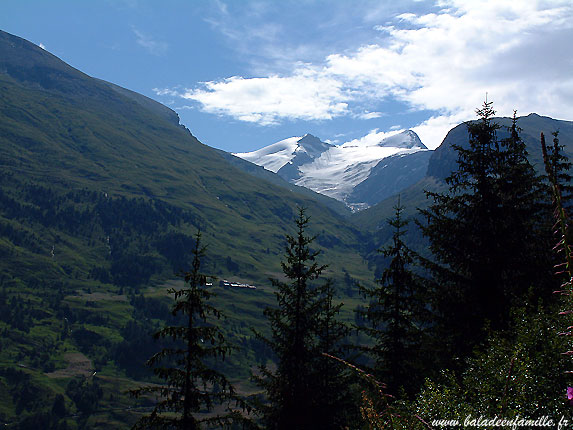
(101, 191)
(62, 128)
(412, 198)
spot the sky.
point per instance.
(243, 74)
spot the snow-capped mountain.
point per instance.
(335, 170)
(288, 154)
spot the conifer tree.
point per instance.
(396, 314)
(189, 382)
(487, 234)
(301, 325)
(524, 232)
(336, 405)
(557, 168)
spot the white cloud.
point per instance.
(41, 45)
(307, 95)
(151, 45)
(369, 115)
(443, 62)
(373, 138)
(433, 130)
(446, 62)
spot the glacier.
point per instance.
(332, 170)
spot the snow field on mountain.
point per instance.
(274, 156)
(332, 170)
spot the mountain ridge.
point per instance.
(443, 161)
(111, 140)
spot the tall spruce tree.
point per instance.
(557, 168)
(337, 406)
(524, 227)
(396, 315)
(488, 236)
(302, 326)
(189, 382)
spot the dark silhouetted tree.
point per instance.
(396, 315)
(188, 380)
(557, 167)
(488, 234)
(301, 324)
(337, 407)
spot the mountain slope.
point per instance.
(391, 176)
(444, 158)
(101, 191)
(63, 128)
(335, 171)
(260, 172)
(443, 161)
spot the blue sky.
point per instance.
(243, 74)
